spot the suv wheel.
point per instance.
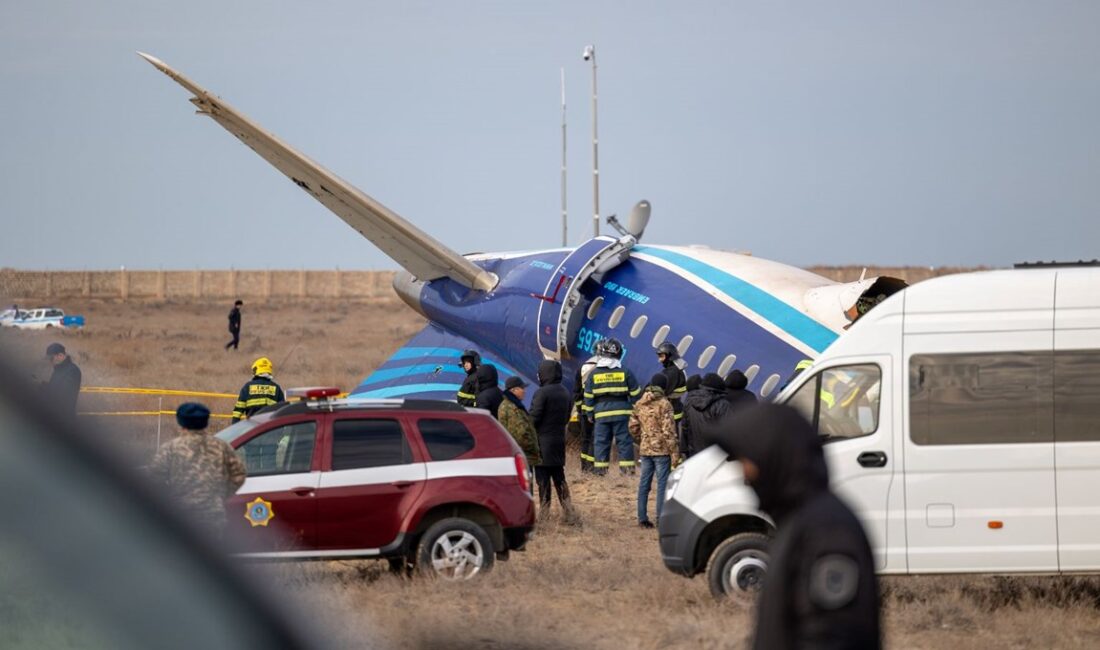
(455, 549)
(738, 567)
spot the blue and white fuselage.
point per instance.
(722, 310)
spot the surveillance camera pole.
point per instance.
(590, 53)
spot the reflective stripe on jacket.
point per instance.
(610, 392)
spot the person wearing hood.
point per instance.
(694, 382)
(583, 411)
(820, 591)
(708, 404)
(469, 362)
(737, 391)
(489, 395)
(517, 421)
(609, 393)
(550, 410)
(260, 391)
(653, 425)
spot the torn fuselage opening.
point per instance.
(882, 288)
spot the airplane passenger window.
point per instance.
(769, 385)
(750, 374)
(639, 325)
(727, 364)
(706, 356)
(594, 308)
(616, 316)
(684, 344)
(661, 335)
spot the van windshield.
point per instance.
(841, 402)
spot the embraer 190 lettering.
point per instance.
(723, 310)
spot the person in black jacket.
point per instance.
(692, 386)
(489, 395)
(235, 325)
(467, 394)
(668, 355)
(820, 591)
(737, 391)
(63, 388)
(707, 405)
(550, 410)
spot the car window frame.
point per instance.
(275, 423)
(816, 379)
(417, 453)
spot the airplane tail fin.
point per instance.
(416, 251)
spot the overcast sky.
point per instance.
(928, 133)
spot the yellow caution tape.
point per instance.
(213, 415)
(152, 391)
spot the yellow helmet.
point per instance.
(262, 366)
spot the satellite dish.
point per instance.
(639, 219)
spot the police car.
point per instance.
(38, 318)
(425, 484)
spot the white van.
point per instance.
(960, 421)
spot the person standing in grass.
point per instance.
(513, 416)
(653, 426)
(235, 325)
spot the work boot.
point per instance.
(645, 523)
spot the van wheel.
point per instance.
(738, 567)
(455, 549)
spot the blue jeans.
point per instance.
(660, 464)
(603, 431)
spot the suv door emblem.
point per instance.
(258, 512)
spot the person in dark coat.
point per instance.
(737, 391)
(489, 395)
(692, 385)
(63, 388)
(550, 409)
(668, 355)
(467, 393)
(235, 325)
(820, 591)
(708, 404)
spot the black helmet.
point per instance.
(472, 356)
(610, 348)
(668, 349)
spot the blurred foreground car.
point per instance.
(90, 559)
(421, 483)
(39, 318)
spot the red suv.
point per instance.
(422, 483)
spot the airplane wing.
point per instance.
(413, 249)
(427, 367)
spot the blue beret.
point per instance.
(192, 415)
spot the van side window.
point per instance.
(286, 450)
(841, 402)
(1077, 395)
(984, 398)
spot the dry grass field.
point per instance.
(598, 585)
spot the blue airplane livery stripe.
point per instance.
(438, 351)
(397, 372)
(408, 389)
(797, 324)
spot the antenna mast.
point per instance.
(564, 227)
(590, 55)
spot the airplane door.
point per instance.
(559, 316)
(850, 406)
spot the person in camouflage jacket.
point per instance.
(653, 426)
(514, 417)
(198, 471)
